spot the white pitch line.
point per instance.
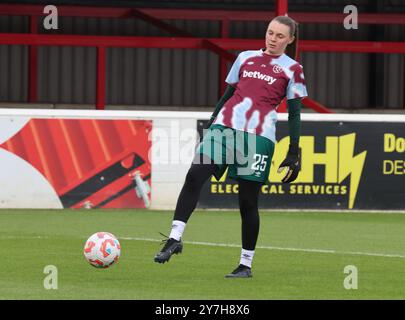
(22, 237)
(231, 245)
(357, 253)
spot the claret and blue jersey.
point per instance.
(261, 82)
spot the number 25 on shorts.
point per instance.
(260, 162)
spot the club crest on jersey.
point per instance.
(277, 69)
(258, 75)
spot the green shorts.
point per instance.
(246, 155)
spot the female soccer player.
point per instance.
(241, 136)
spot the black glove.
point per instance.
(292, 163)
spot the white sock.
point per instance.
(246, 257)
(177, 229)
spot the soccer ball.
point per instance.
(102, 250)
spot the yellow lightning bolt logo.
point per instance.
(350, 165)
(338, 160)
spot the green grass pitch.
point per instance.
(300, 255)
